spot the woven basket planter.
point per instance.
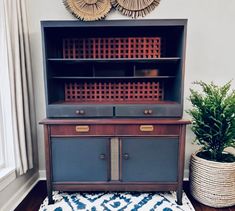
(212, 183)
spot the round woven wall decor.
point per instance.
(88, 10)
(135, 8)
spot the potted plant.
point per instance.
(212, 170)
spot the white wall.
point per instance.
(210, 45)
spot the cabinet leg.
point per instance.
(50, 199)
(179, 195)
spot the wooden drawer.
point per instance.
(158, 110)
(74, 130)
(78, 111)
(147, 129)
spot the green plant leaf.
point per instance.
(213, 117)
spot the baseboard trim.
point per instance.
(19, 196)
(186, 175)
(42, 174)
(7, 176)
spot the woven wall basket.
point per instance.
(135, 8)
(212, 183)
(88, 10)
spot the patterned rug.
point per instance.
(128, 201)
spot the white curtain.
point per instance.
(21, 88)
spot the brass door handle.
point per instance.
(126, 156)
(102, 156)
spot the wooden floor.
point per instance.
(38, 194)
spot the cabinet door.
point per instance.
(149, 159)
(80, 159)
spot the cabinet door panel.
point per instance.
(149, 159)
(80, 159)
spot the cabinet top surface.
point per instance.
(128, 23)
(114, 121)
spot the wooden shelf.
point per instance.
(105, 78)
(115, 102)
(123, 121)
(134, 60)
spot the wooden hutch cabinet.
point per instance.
(114, 100)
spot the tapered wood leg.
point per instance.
(179, 195)
(50, 199)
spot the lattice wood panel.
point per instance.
(111, 91)
(131, 47)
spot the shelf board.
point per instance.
(114, 60)
(137, 102)
(103, 78)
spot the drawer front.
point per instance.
(82, 130)
(149, 159)
(78, 111)
(159, 110)
(83, 159)
(147, 129)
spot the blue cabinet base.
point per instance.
(150, 155)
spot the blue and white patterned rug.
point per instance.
(127, 201)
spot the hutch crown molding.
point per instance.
(114, 100)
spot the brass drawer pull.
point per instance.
(148, 112)
(146, 128)
(82, 128)
(80, 112)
